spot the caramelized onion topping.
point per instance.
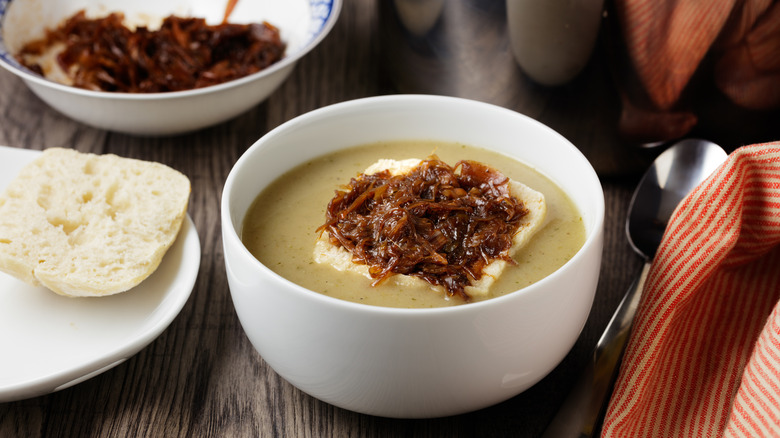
(185, 53)
(434, 222)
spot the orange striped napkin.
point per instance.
(669, 40)
(703, 359)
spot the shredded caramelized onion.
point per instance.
(434, 222)
(185, 53)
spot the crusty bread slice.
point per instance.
(341, 259)
(89, 225)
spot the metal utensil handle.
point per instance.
(581, 411)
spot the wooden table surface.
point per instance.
(202, 377)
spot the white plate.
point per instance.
(49, 342)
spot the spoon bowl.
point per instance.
(673, 174)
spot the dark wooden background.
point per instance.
(202, 377)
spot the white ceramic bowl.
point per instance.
(412, 363)
(302, 25)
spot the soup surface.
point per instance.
(284, 241)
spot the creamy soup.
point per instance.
(280, 227)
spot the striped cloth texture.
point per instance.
(703, 358)
(735, 42)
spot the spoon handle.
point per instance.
(582, 410)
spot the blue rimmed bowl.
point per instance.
(303, 24)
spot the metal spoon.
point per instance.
(675, 172)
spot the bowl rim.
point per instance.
(230, 234)
(288, 61)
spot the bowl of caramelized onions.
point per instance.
(158, 67)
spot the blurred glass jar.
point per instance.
(471, 48)
(449, 47)
(552, 40)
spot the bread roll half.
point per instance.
(89, 225)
